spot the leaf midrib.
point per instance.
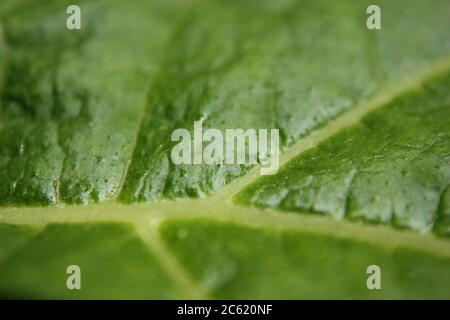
(220, 210)
(147, 218)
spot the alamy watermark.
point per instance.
(235, 146)
(73, 21)
(374, 280)
(373, 22)
(73, 281)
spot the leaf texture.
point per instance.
(85, 169)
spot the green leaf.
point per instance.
(72, 101)
(390, 167)
(85, 169)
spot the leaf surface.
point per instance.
(85, 169)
